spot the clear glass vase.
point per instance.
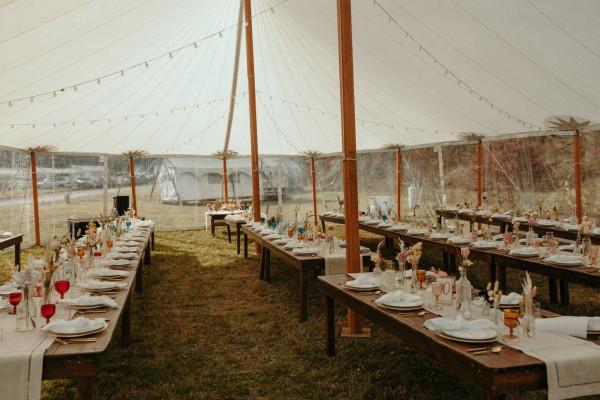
(26, 310)
(401, 275)
(528, 321)
(414, 281)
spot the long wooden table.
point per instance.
(506, 224)
(498, 261)
(83, 361)
(218, 219)
(497, 375)
(304, 264)
(12, 240)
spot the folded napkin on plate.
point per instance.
(364, 249)
(399, 298)
(416, 231)
(383, 225)
(459, 324)
(305, 250)
(93, 284)
(440, 235)
(465, 211)
(485, 244)
(129, 256)
(571, 227)
(511, 299)
(363, 218)
(8, 287)
(458, 239)
(497, 215)
(524, 251)
(292, 244)
(519, 219)
(78, 325)
(90, 301)
(272, 236)
(282, 241)
(144, 224)
(363, 281)
(105, 272)
(564, 258)
(572, 326)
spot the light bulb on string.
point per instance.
(33, 125)
(246, 23)
(31, 99)
(54, 94)
(272, 10)
(54, 125)
(73, 123)
(75, 88)
(122, 73)
(146, 64)
(195, 45)
(98, 81)
(10, 103)
(220, 34)
(171, 56)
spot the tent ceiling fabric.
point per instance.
(425, 73)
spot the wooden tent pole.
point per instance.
(399, 175)
(349, 148)
(479, 172)
(225, 180)
(36, 211)
(314, 187)
(132, 174)
(253, 125)
(577, 155)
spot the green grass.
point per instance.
(207, 328)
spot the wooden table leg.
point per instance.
(262, 264)
(452, 268)
(238, 239)
(445, 261)
(139, 286)
(212, 227)
(126, 323)
(501, 277)
(552, 292)
(492, 273)
(86, 388)
(323, 225)
(267, 253)
(245, 245)
(330, 325)
(303, 295)
(229, 233)
(147, 256)
(152, 235)
(564, 292)
(18, 254)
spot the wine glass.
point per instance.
(273, 225)
(300, 232)
(128, 225)
(80, 252)
(436, 290)
(511, 320)
(109, 243)
(593, 253)
(14, 299)
(62, 287)
(47, 311)
(290, 231)
(421, 277)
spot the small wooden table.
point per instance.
(218, 219)
(497, 376)
(12, 240)
(238, 229)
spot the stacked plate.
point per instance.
(416, 231)
(119, 264)
(400, 301)
(485, 335)
(484, 244)
(372, 222)
(440, 236)
(99, 287)
(459, 240)
(524, 252)
(363, 283)
(89, 302)
(305, 251)
(398, 228)
(75, 328)
(122, 256)
(565, 260)
(107, 274)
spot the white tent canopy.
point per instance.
(425, 72)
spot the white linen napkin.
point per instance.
(105, 272)
(524, 251)
(363, 281)
(511, 299)
(90, 301)
(399, 298)
(77, 325)
(572, 326)
(459, 324)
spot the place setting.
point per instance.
(102, 287)
(363, 283)
(106, 274)
(79, 327)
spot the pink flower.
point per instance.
(531, 220)
(465, 251)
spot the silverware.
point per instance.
(76, 340)
(483, 349)
(493, 350)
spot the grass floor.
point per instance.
(207, 328)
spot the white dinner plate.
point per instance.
(469, 335)
(405, 305)
(75, 335)
(362, 288)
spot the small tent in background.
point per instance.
(188, 180)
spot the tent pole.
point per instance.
(577, 154)
(105, 186)
(314, 188)
(36, 211)
(132, 174)
(225, 180)
(349, 167)
(236, 67)
(479, 172)
(399, 174)
(253, 125)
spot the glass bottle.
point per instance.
(26, 310)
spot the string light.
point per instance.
(460, 82)
(31, 99)
(10, 103)
(146, 64)
(54, 94)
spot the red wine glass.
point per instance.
(48, 311)
(62, 287)
(14, 299)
